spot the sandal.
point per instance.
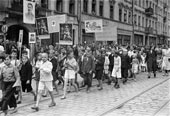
(35, 108)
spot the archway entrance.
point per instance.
(13, 34)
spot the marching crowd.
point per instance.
(54, 66)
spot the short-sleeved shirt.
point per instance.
(46, 71)
(9, 73)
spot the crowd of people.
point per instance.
(64, 65)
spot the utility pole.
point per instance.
(132, 40)
(79, 21)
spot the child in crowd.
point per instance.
(135, 64)
(143, 63)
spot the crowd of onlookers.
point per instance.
(57, 65)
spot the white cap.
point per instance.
(2, 48)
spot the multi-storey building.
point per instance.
(142, 22)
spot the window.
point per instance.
(101, 8)
(130, 18)
(94, 6)
(153, 24)
(85, 6)
(125, 15)
(120, 14)
(146, 23)
(139, 20)
(59, 5)
(143, 3)
(72, 7)
(149, 23)
(135, 19)
(44, 3)
(111, 11)
(139, 3)
(18, 2)
(147, 4)
(143, 23)
(150, 5)
(135, 2)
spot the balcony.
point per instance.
(139, 28)
(149, 11)
(149, 30)
(44, 5)
(17, 6)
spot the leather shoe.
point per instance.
(35, 108)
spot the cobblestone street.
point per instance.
(147, 104)
(108, 101)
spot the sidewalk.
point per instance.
(95, 103)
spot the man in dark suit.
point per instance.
(125, 61)
(87, 67)
(151, 60)
(111, 60)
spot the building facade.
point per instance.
(142, 22)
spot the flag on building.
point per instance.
(54, 22)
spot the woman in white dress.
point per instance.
(143, 63)
(166, 60)
(116, 73)
(71, 68)
(106, 68)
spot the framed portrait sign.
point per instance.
(28, 12)
(32, 37)
(66, 34)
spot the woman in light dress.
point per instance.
(143, 63)
(116, 73)
(71, 68)
(166, 60)
(106, 68)
(135, 65)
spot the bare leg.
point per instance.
(65, 89)
(149, 75)
(37, 83)
(100, 84)
(19, 96)
(45, 92)
(56, 86)
(33, 93)
(38, 98)
(52, 99)
(74, 84)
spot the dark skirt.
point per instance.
(37, 75)
(26, 87)
(152, 66)
(54, 73)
